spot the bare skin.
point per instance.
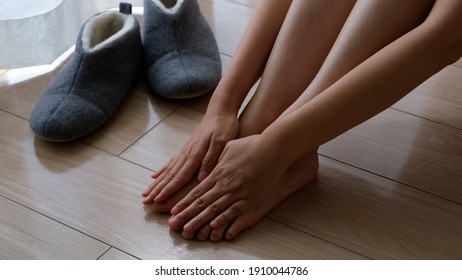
(243, 187)
(210, 137)
(291, 64)
(201, 152)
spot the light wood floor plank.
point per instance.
(438, 99)
(459, 63)
(99, 194)
(25, 235)
(20, 89)
(405, 148)
(374, 216)
(165, 140)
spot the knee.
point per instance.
(445, 31)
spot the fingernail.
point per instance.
(174, 210)
(159, 198)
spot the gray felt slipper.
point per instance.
(92, 85)
(182, 58)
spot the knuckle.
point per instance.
(207, 162)
(219, 141)
(179, 178)
(168, 169)
(220, 171)
(200, 203)
(235, 210)
(215, 208)
(196, 193)
(182, 206)
(169, 176)
(223, 218)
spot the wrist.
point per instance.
(231, 92)
(224, 102)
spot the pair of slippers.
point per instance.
(177, 50)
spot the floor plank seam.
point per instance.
(427, 119)
(112, 247)
(131, 255)
(149, 130)
(105, 252)
(14, 115)
(317, 237)
(390, 179)
(55, 220)
(136, 164)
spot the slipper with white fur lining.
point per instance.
(181, 53)
(92, 85)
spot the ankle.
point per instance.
(252, 124)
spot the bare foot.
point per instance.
(300, 174)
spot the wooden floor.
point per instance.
(390, 188)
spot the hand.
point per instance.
(200, 153)
(247, 171)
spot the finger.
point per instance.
(149, 197)
(168, 175)
(165, 169)
(167, 205)
(156, 176)
(154, 189)
(148, 190)
(162, 169)
(179, 216)
(182, 177)
(203, 211)
(194, 194)
(231, 213)
(211, 157)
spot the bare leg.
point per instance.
(369, 88)
(306, 37)
(220, 123)
(371, 26)
(361, 11)
(316, 25)
(288, 72)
